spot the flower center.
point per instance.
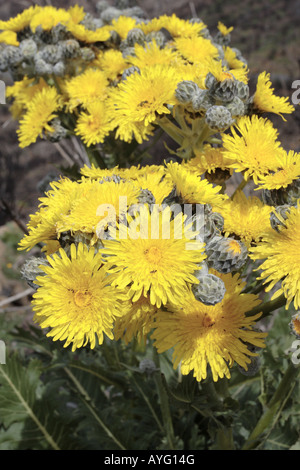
(153, 254)
(82, 298)
(235, 247)
(207, 321)
(296, 326)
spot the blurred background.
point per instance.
(266, 32)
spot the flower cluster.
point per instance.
(158, 251)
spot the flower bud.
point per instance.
(28, 48)
(135, 36)
(225, 254)
(210, 290)
(31, 269)
(185, 91)
(218, 118)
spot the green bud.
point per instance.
(31, 269)
(236, 107)
(210, 290)
(218, 118)
(130, 71)
(242, 90)
(185, 91)
(225, 254)
(279, 215)
(135, 36)
(28, 48)
(146, 197)
(223, 91)
(70, 48)
(202, 100)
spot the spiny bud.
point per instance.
(185, 91)
(42, 68)
(130, 71)
(59, 132)
(252, 368)
(28, 48)
(210, 80)
(210, 290)
(12, 55)
(223, 91)
(135, 35)
(31, 269)
(59, 33)
(70, 48)
(278, 216)
(59, 69)
(202, 100)
(146, 197)
(109, 14)
(242, 90)
(158, 36)
(225, 254)
(218, 118)
(147, 366)
(295, 325)
(51, 53)
(236, 107)
(87, 54)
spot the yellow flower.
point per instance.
(265, 100)
(253, 147)
(223, 29)
(56, 203)
(280, 251)
(21, 21)
(157, 182)
(196, 49)
(151, 54)
(22, 92)
(41, 110)
(80, 32)
(96, 203)
(288, 171)
(112, 63)
(191, 188)
(137, 101)
(137, 322)
(208, 160)
(9, 37)
(248, 218)
(75, 299)
(86, 88)
(94, 124)
(232, 60)
(122, 26)
(177, 27)
(47, 17)
(155, 256)
(203, 335)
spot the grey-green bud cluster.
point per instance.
(225, 254)
(210, 290)
(282, 196)
(31, 269)
(218, 118)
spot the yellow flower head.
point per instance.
(112, 63)
(9, 37)
(288, 171)
(196, 49)
(41, 110)
(155, 255)
(151, 54)
(248, 218)
(94, 124)
(280, 251)
(208, 160)
(253, 147)
(122, 26)
(75, 299)
(47, 17)
(266, 101)
(191, 188)
(223, 29)
(140, 98)
(86, 88)
(204, 335)
(177, 27)
(99, 203)
(21, 21)
(137, 322)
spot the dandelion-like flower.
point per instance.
(287, 173)
(87, 88)
(155, 255)
(41, 110)
(75, 299)
(266, 101)
(253, 147)
(279, 251)
(94, 124)
(209, 336)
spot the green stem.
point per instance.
(275, 403)
(171, 129)
(268, 307)
(164, 404)
(240, 187)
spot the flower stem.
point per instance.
(268, 307)
(164, 404)
(171, 129)
(275, 403)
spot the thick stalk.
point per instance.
(164, 404)
(268, 416)
(268, 307)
